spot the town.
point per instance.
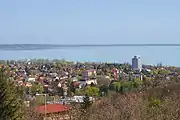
(53, 86)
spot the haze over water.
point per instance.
(149, 55)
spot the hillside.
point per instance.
(160, 103)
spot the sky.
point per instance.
(92, 22)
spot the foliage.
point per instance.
(39, 100)
(60, 91)
(147, 82)
(103, 90)
(86, 102)
(92, 91)
(137, 83)
(127, 86)
(115, 86)
(133, 106)
(11, 99)
(72, 88)
(154, 102)
(160, 72)
(37, 88)
(79, 92)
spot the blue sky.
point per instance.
(90, 21)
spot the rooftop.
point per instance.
(52, 108)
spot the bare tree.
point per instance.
(134, 106)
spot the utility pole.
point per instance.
(45, 105)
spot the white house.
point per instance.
(31, 79)
(88, 82)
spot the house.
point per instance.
(31, 79)
(89, 73)
(80, 99)
(90, 81)
(56, 78)
(76, 84)
(115, 72)
(138, 76)
(54, 111)
(74, 79)
(27, 84)
(42, 79)
(85, 82)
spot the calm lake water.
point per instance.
(149, 55)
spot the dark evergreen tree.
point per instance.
(72, 88)
(60, 91)
(11, 99)
(86, 102)
(121, 90)
(103, 90)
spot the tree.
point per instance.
(103, 90)
(38, 101)
(11, 99)
(86, 102)
(118, 87)
(79, 92)
(60, 91)
(126, 86)
(72, 88)
(137, 83)
(115, 86)
(92, 91)
(36, 88)
(147, 82)
(112, 86)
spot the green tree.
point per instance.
(103, 90)
(37, 88)
(154, 102)
(115, 86)
(118, 87)
(11, 99)
(92, 91)
(127, 86)
(39, 101)
(137, 83)
(79, 92)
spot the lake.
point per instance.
(149, 55)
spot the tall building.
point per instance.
(136, 63)
(159, 64)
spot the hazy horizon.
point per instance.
(110, 54)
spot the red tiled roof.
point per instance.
(52, 108)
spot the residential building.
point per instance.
(84, 82)
(136, 63)
(54, 111)
(115, 72)
(139, 76)
(89, 73)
